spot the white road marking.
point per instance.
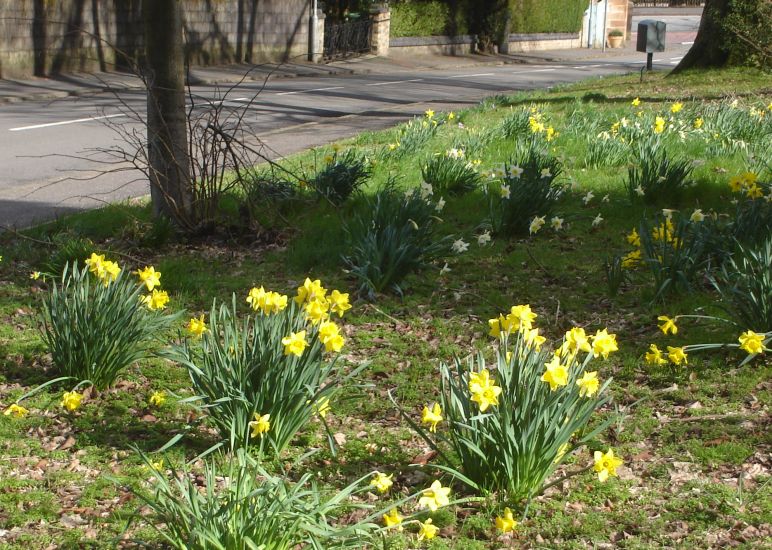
(676, 58)
(312, 90)
(534, 71)
(471, 75)
(687, 43)
(395, 82)
(63, 122)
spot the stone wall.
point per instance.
(53, 36)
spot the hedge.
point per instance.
(440, 17)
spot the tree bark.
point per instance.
(710, 48)
(167, 132)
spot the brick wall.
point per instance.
(53, 36)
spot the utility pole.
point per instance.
(312, 23)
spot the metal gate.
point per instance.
(347, 39)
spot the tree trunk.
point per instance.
(708, 49)
(167, 133)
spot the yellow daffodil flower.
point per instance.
(521, 317)
(94, 263)
(295, 343)
(197, 327)
(329, 335)
(339, 302)
(392, 518)
(676, 107)
(157, 399)
(322, 406)
(149, 277)
(677, 355)
(588, 384)
(752, 342)
(604, 343)
(311, 290)
(317, 310)
(157, 300)
(659, 125)
(668, 325)
(71, 400)
(435, 497)
(35, 275)
(556, 374)
(507, 522)
(260, 425)
(484, 391)
(16, 410)
(427, 531)
(606, 464)
(633, 238)
(432, 416)
(654, 356)
(382, 482)
(635, 102)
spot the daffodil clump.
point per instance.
(263, 376)
(98, 319)
(505, 425)
(750, 342)
(523, 192)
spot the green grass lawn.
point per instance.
(696, 452)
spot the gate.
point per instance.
(347, 39)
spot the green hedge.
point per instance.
(427, 18)
(484, 17)
(546, 15)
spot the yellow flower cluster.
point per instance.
(537, 126)
(747, 183)
(266, 301)
(157, 299)
(105, 270)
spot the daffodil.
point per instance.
(322, 406)
(677, 355)
(149, 277)
(317, 310)
(606, 464)
(575, 340)
(435, 496)
(157, 399)
(94, 263)
(197, 327)
(698, 122)
(429, 113)
(521, 317)
(71, 400)
(295, 343)
(556, 223)
(382, 482)
(35, 275)
(426, 530)
(260, 425)
(274, 303)
(329, 335)
(310, 290)
(697, 216)
(432, 416)
(157, 300)
(339, 302)
(110, 271)
(635, 102)
(506, 523)
(16, 410)
(654, 356)
(556, 374)
(588, 384)
(392, 518)
(633, 238)
(604, 343)
(536, 224)
(752, 342)
(676, 107)
(484, 390)
(668, 325)
(256, 297)
(459, 246)
(659, 125)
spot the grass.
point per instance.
(693, 438)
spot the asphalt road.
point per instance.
(43, 145)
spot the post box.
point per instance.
(651, 36)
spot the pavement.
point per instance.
(54, 133)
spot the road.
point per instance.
(42, 145)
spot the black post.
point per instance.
(649, 61)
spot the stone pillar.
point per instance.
(379, 39)
(617, 17)
(316, 38)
